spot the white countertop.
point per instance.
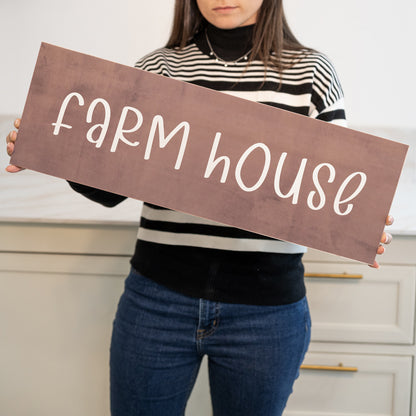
(33, 197)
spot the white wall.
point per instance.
(120, 31)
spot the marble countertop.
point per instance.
(33, 197)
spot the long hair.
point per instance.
(271, 34)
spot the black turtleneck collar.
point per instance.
(228, 44)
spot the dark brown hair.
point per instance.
(271, 33)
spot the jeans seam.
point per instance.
(308, 325)
(204, 333)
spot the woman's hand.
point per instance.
(11, 140)
(385, 239)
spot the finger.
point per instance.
(13, 169)
(375, 265)
(10, 148)
(11, 137)
(380, 249)
(389, 220)
(386, 238)
(17, 123)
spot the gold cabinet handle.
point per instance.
(335, 275)
(338, 367)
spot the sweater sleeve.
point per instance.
(327, 101)
(105, 198)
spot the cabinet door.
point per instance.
(56, 313)
(354, 303)
(372, 385)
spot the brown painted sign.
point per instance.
(209, 154)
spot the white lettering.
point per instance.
(318, 186)
(338, 201)
(294, 190)
(212, 162)
(267, 159)
(104, 126)
(163, 141)
(119, 132)
(62, 110)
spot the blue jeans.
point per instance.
(160, 336)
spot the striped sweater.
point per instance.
(201, 258)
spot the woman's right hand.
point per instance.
(11, 140)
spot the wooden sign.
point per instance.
(209, 154)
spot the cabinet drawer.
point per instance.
(380, 385)
(355, 303)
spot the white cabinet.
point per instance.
(352, 384)
(56, 313)
(361, 358)
(354, 303)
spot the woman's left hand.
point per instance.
(385, 239)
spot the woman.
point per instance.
(197, 287)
